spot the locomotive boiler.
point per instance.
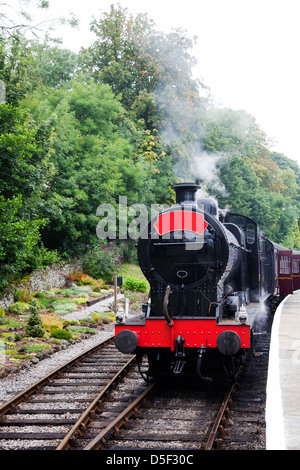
(207, 281)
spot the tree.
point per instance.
(18, 237)
(25, 175)
(292, 239)
(98, 153)
(122, 54)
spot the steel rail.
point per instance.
(120, 420)
(89, 413)
(25, 394)
(218, 426)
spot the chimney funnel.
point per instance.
(186, 193)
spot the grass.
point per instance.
(131, 270)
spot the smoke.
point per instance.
(183, 133)
(204, 167)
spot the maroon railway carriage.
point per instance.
(210, 272)
(286, 270)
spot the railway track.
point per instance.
(184, 417)
(41, 416)
(179, 416)
(100, 401)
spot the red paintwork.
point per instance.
(180, 220)
(196, 332)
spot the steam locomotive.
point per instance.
(211, 274)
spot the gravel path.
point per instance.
(84, 312)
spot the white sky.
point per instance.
(247, 52)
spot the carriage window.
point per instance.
(285, 265)
(250, 232)
(295, 266)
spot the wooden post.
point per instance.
(116, 293)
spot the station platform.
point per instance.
(283, 384)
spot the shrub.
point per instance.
(34, 326)
(63, 306)
(102, 261)
(82, 279)
(2, 313)
(45, 303)
(61, 334)
(45, 295)
(38, 295)
(51, 322)
(19, 308)
(97, 289)
(83, 330)
(134, 284)
(23, 296)
(103, 315)
(37, 348)
(81, 300)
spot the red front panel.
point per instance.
(196, 332)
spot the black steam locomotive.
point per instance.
(211, 273)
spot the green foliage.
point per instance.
(19, 307)
(98, 316)
(134, 284)
(36, 348)
(34, 326)
(63, 306)
(102, 261)
(2, 313)
(122, 118)
(24, 172)
(18, 237)
(61, 334)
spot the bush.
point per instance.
(82, 279)
(23, 296)
(61, 334)
(34, 326)
(63, 306)
(19, 308)
(134, 284)
(51, 322)
(2, 313)
(100, 316)
(49, 295)
(102, 261)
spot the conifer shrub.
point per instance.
(34, 326)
